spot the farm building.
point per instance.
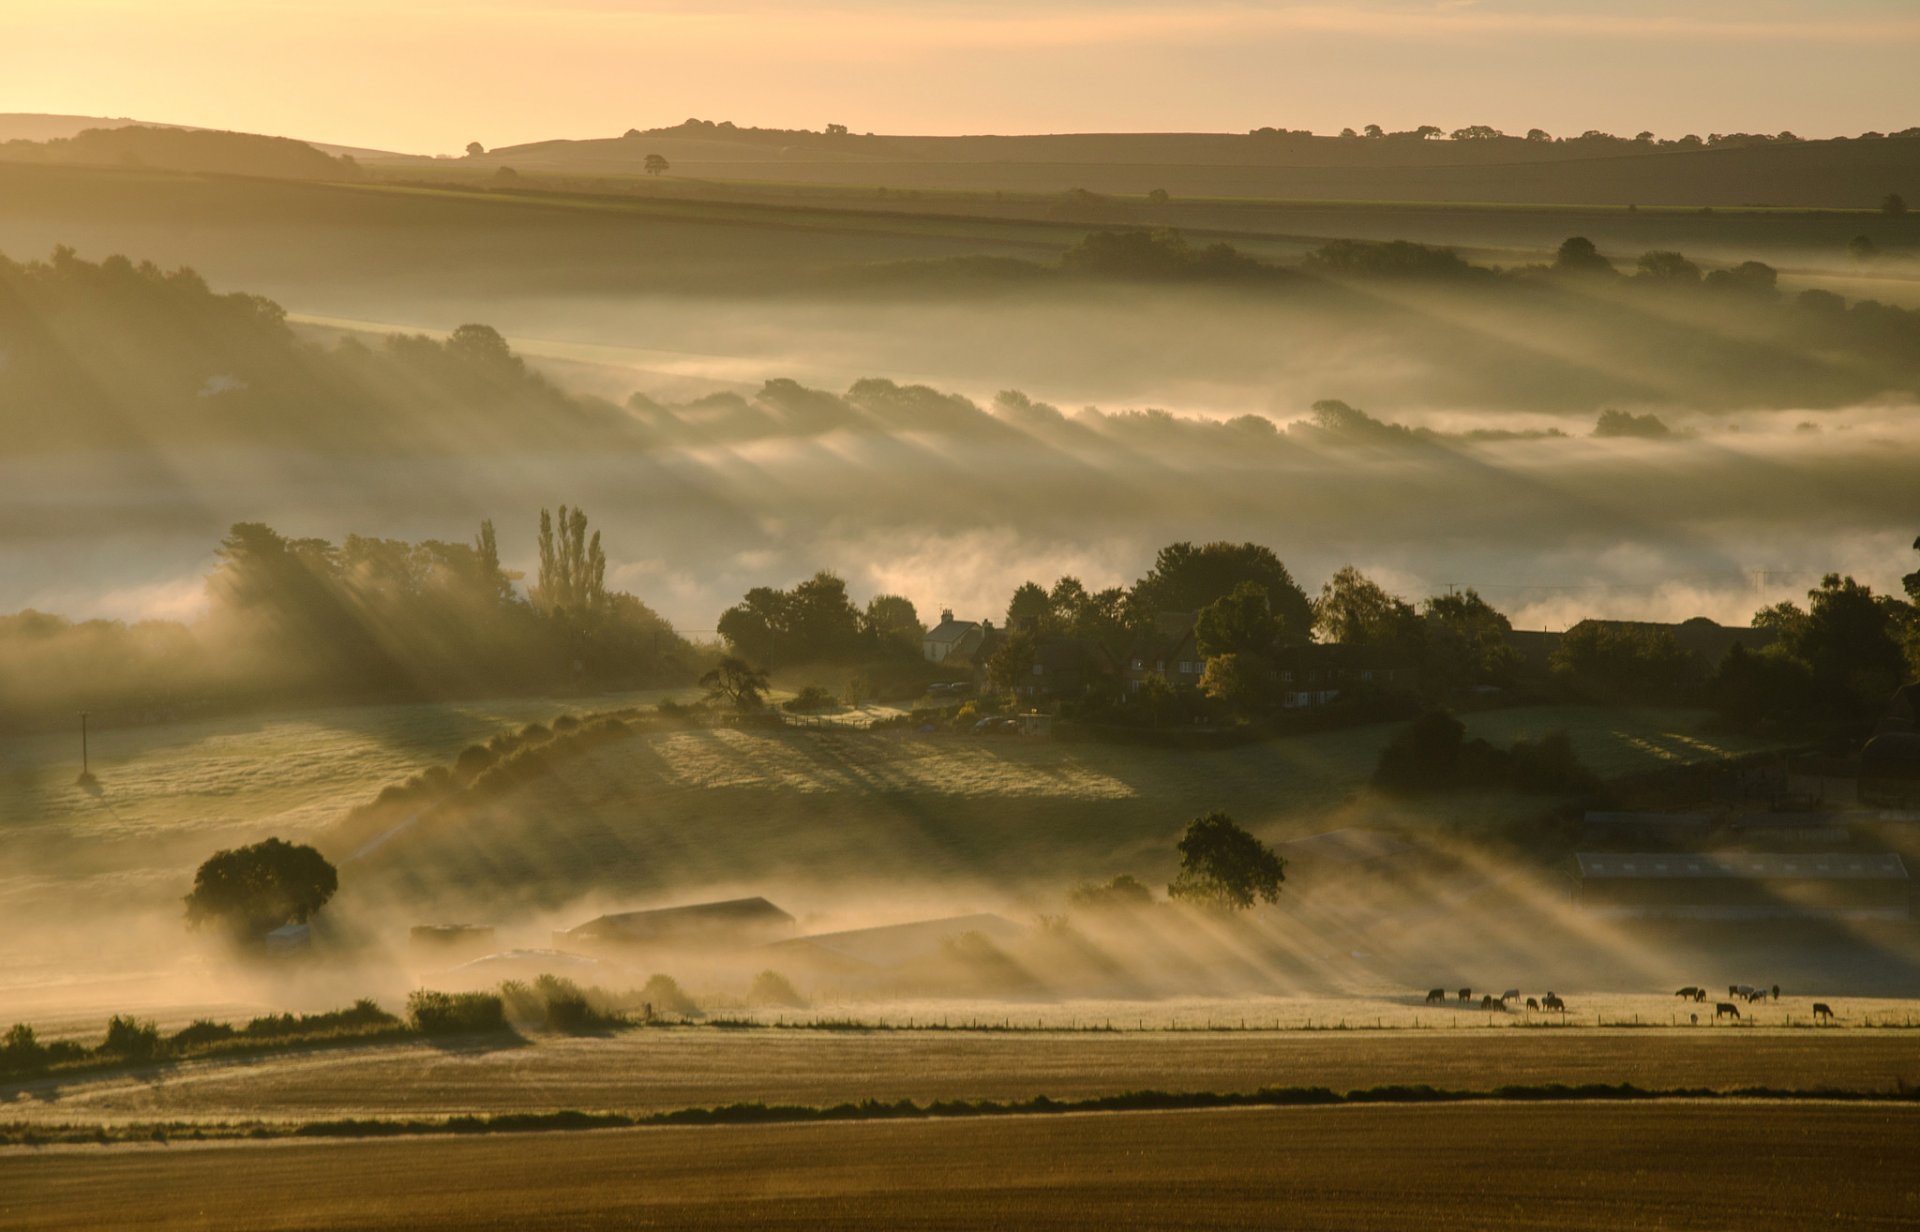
(1741, 886)
(735, 923)
(1660, 827)
(450, 943)
(892, 945)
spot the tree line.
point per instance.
(292, 618)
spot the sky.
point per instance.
(428, 76)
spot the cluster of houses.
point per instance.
(1067, 667)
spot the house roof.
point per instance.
(951, 630)
(1675, 866)
(890, 945)
(662, 923)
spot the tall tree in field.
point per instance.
(250, 891)
(737, 683)
(1223, 866)
(656, 164)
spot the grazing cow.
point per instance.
(1758, 994)
(1551, 1002)
(1741, 990)
(1689, 992)
(1733, 990)
(1466, 994)
(1532, 1004)
(1491, 1002)
(1436, 994)
(1822, 1010)
(1512, 994)
(1726, 1009)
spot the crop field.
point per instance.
(1470, 1166)
(650, 1071)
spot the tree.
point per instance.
(1668, 267)
(1427, 132)
(1625, 662)
(481, 342)
(1477, 132)
(1124, 893)
(1895, 206)
(656, 165)
(1539, 136)
(1466, 642)
(1186, 578)
(1862, 248)
(836, 130)
(737, 683)
(475, 149)
(1239, 622)
(250, 891)
(1374, 130)
(1030, 608)
(1752, 278)
(573, 570)
(1355, 611)
(1577, 255)
(892, 622)
(1223, 866)
(1238, 680)
(1011, 663)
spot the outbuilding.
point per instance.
(736, 923)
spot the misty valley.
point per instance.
(689, 643)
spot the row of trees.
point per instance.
(297, 618)
(1592, 136)
(431, 617)
(816, 622)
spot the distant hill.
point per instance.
(185, 149)
(27, 126)
(1599, 170)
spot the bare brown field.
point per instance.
(653, 1071)
(1471, 1166)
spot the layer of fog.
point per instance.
(1728, 514)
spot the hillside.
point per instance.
(799, 813)
(32, 126)
(184, 149)
(1833, 174)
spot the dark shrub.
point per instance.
(132, 1039)
(201, 1032)
(449, 1013)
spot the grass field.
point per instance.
(1474, 1166)
(644, 1072)
(796, 808)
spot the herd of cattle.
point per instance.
(1547, 1004)
(1553, 1004)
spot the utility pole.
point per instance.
(86, 771)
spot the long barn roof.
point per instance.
(1667, 865)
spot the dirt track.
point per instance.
(1565, 1167)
